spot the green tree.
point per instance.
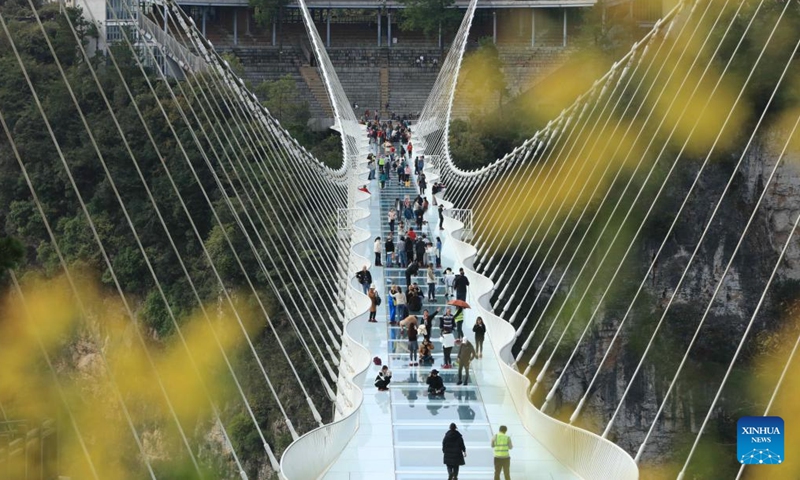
(268, 12)
(283, 100)
(466, 147)
(429, 16)
(234, 62)
(609, 31)
(482, 80)
(329, 150)
(25, 241)
(11, 252)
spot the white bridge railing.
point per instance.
(585, 453)
(171, 46)
(313, 453)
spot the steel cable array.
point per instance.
(253, 163)
(583, 191)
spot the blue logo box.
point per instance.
(759, 440)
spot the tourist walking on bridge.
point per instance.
(401, 252)
(427, 320)
(480, 332)
(466, 353)
(461, 283)
(454, 451)
(501, 443)
(364, 278)
(446, 322)
(419, 250)
(413, 345)
(431, 278)
(458, 319)
(377, 249)
(371, 166)
(389, 248)
(449, 281)
(392, 218)
(400, 303)
(392, 305)
(374, 300)
(411, 271)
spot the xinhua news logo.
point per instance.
(760, 440)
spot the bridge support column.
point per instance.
(533, 27)
(440, 35)
(564, 42)
(379, 27)
(328, 29)
(205, 14)
(389, 29)
(235, 25)
(494, 27)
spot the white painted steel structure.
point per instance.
(248, 152)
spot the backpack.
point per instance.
(378, 299)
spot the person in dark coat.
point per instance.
(435, 384)
(364, 278)
(427, 319)
(419, 250)
(461, 283)
(388, 247)
(383, 379)
(454, 451)
(480, 333)
(411, 271)
(409, 249)
(413, 299)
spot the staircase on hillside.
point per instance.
(384, 92)
(314, 82)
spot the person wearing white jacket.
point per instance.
(377, 249)
(431, 278)
(449, 281)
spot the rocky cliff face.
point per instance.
(727, 318)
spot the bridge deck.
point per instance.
(401, 430)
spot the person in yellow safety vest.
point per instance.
(501, 443)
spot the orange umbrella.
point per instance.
(458, 303)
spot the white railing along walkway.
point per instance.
(582, 452)
(313, 453)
